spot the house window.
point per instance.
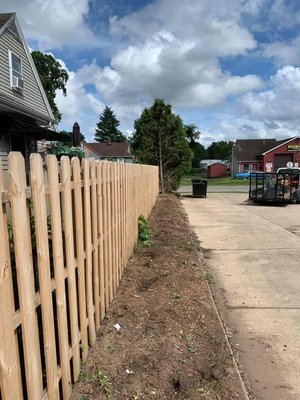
(120, 159)
(246, 167)
(16, 76)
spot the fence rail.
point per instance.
(64, 243)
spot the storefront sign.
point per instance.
(293, 147)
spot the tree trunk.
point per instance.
(161, 168)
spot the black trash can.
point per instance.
(199, 187)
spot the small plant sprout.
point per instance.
(103, 383)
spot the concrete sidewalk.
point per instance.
(253, 256)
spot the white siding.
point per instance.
(31, 96)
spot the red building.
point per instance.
(216, 170)
(265, 155)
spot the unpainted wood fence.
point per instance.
(64, 243)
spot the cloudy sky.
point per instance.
(232, 67)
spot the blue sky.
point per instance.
(230, 67)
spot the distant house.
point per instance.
(217, 170)
(265, 155)
(108, 151)
(206, 162)
(25, 114)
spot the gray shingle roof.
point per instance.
(249, 149)
(111, 149)
(5, 18)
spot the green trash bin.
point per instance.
(199, 187)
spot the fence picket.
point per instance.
(88, 250)
(70, 259)
(95, 240)
(105, 235)
(101, 235)
(25, 275)
(10, 376)
(109, 231)
(79, 233)
(113, 226)
(42, 245)
(59, 275)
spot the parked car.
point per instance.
(245, 174)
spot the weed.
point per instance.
(111, 348)
(189, 264)
(103, 383)
(96, 377)
(191, 348)
(144, 232)
(176, 296)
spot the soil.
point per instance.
(171, 344)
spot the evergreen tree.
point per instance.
(159, 139)
(107, 128)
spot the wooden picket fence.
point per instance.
(64, 243)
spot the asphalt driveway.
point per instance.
(252, 253)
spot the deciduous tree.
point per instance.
(160, 139)
(53, 77)
(199, 152)
(220, 150)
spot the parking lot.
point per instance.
(252, 256)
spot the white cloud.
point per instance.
(52, 23)
(79, 106)
(284, 52)
(173, 50)
(285, 14)
(281, 102)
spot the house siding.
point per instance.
(4, 150)
(31, 98)
(269, 159)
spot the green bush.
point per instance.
(60, 149)
(144, 232)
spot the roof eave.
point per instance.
(276, 147)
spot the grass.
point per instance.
(228, 180)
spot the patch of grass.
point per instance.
(228, 180)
